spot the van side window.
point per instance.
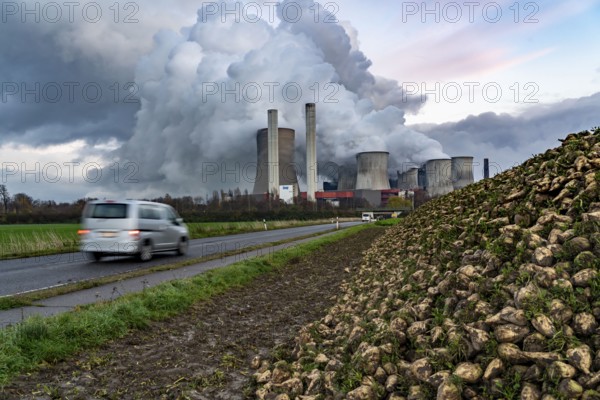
(171, 215)
(149, 212)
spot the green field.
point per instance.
(33, 240)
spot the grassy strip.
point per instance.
(389, 222)
(28, 299)
(52, 339)
(18, 241)
(209, 229)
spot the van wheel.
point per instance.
(145, 253)
(182, 248)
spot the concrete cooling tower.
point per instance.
(421, 177)
(287, 170)
(462, 172)
(408, 180)
(438, 177)
(372, 170)
(346, 177)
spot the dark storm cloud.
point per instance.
(60, 82)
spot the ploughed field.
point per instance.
(207, 352)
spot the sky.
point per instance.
(138, 99)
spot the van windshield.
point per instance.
(107, 210)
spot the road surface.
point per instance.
(35, 273)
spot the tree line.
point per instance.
(221, 206)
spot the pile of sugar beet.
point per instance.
(490, 292)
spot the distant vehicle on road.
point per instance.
(367, 217)
(131, 227)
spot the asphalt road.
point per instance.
(35, 273)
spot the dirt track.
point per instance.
(206, 352)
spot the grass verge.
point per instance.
(209, 229)
(38, 340)
(388, 222)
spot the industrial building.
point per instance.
(367, 180)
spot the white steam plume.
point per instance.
(206, 90)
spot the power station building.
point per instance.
(368, 179)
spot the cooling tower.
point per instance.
(401, 178)
(462, 172)
(346, 177)
(421, 177)
(371, 170)
(286, 170)
(438, 177)
(408, 180)
(311, 151)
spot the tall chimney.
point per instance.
(273, 154)
(486, 168)
(311, 151)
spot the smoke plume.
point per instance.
(206, 90)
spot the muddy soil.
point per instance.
(205, 353)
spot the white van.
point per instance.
(131, 227)
(367, 217)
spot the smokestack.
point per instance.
(486, 168)
(438, 177)
(311, 151)
(273, 156)
(462, 172)
(286, 170)
(372, 170)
